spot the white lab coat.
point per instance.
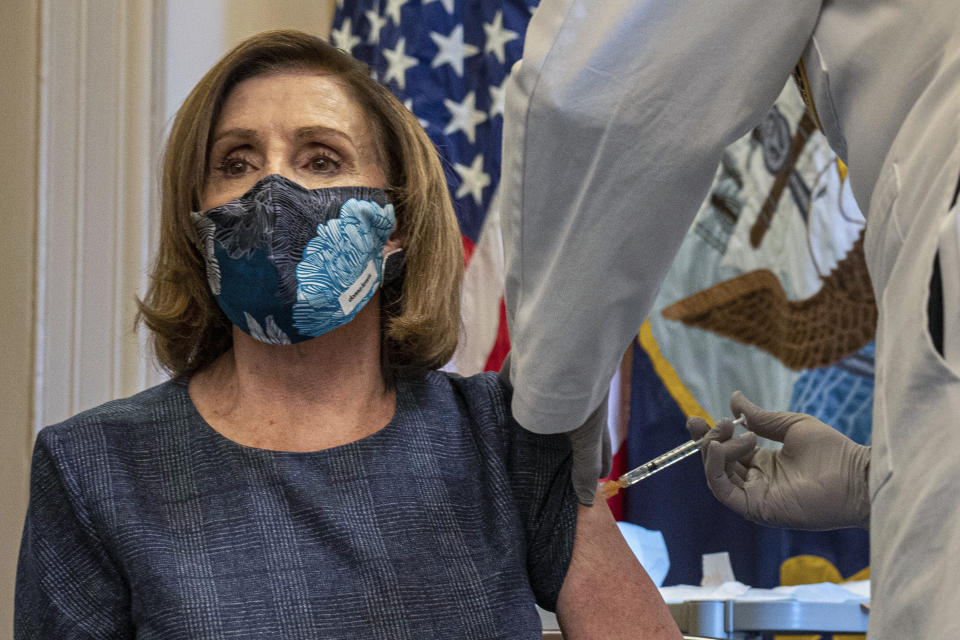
(614, 125)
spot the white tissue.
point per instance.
(825, 592)
(726, 591)
(650, 549)
(822, 592)
(716, 569)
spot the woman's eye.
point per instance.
(233, 167)
(323, 164)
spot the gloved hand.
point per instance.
(816, 481)
(592, 457)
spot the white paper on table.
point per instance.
(822, 592)
(725, 591)
(859, 587)
(762, 595)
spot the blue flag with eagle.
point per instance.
(769, 294)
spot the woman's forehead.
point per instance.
(294, 100)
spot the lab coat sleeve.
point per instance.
(615, 122)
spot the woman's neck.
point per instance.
(309, 396)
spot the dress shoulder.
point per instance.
(117, 437)
(159, 404)
(484, 394)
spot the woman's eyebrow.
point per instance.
(310, 132)
(237, 132)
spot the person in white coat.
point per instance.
(615, 121)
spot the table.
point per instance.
(739, 620)
(732, 619)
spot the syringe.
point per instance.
(661, 462)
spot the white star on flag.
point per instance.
(497, 99)
(343, 38)
(447, 4)
(474, 179)
(464, 116)
(497, 37)
(408, 103)
(452, 49)
(377, 22)
(393, 10)
(397, 64)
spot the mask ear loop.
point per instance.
(397, 268)
(390, 253)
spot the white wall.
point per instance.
(199, 32)
(90, 87)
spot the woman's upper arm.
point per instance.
(607, 593)
(67, 586)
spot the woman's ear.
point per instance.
(393, 244)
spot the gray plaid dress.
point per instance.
(144, 522)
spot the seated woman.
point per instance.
(307, 473)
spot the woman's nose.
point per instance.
(279, 167)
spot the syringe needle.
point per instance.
(661, 462)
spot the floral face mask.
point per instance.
(288, 264)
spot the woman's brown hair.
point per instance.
(421, 313)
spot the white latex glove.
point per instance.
(817, 480)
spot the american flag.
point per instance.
(447, 61)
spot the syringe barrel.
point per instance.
(662, 461)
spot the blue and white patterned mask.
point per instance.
(288, 264)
